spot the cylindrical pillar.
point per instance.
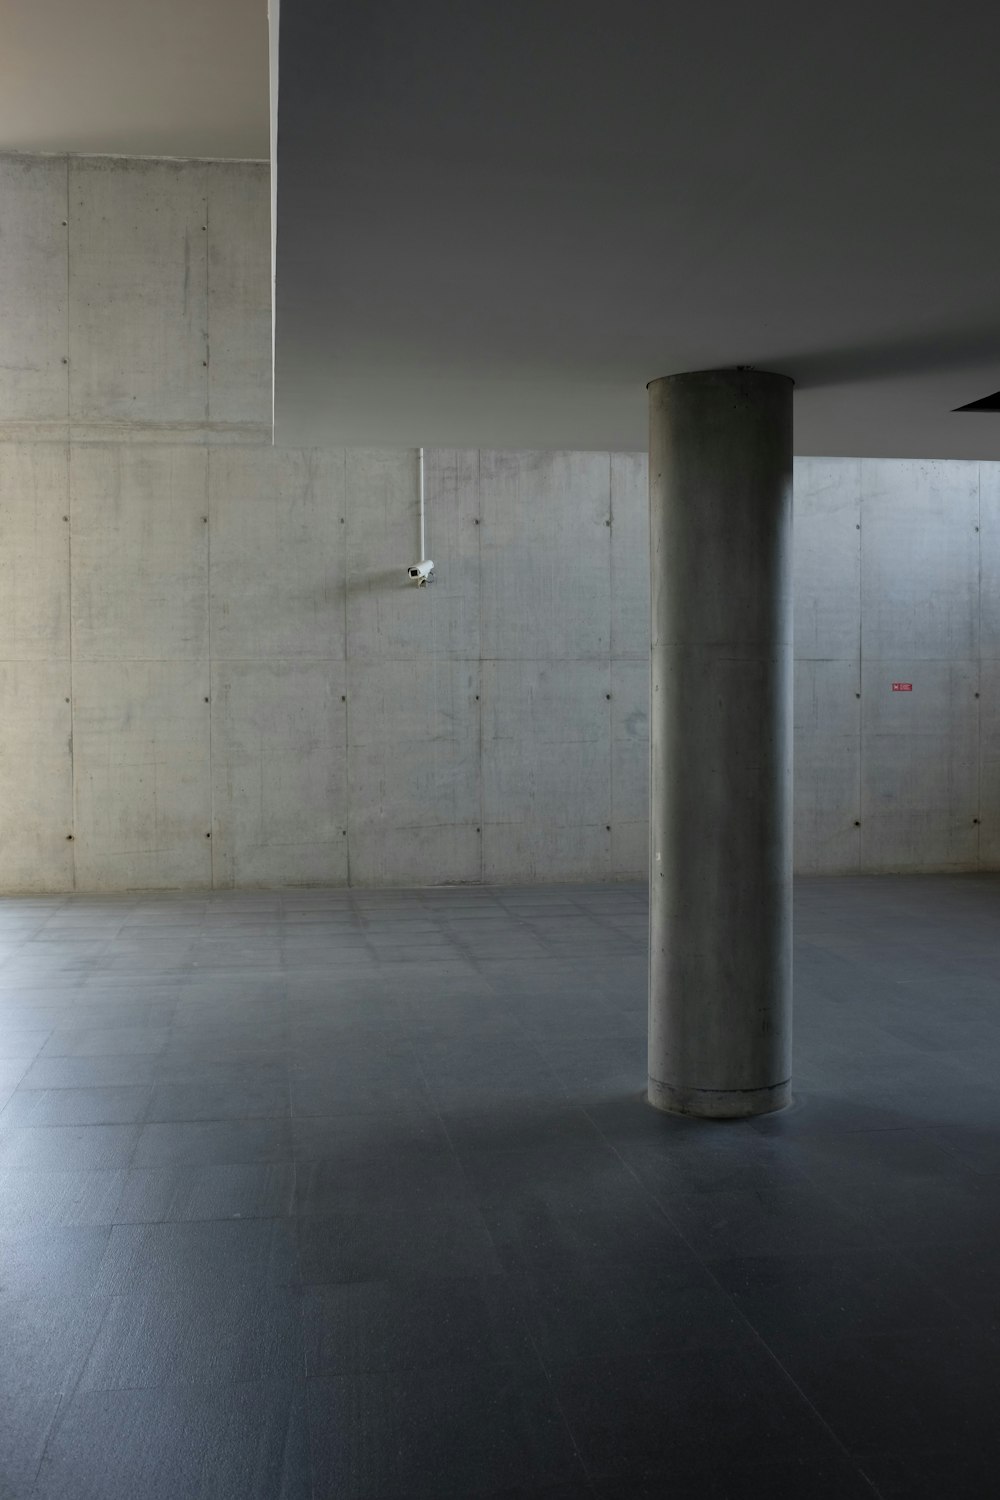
(720, 500)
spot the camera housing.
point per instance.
(420, 573)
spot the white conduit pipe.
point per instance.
(421, 572)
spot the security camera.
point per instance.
(421, 572)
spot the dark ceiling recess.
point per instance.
(988, 403)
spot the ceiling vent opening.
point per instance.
(987, 403)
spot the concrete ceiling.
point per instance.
(498, 220)
(135, 77)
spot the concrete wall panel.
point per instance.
(414, 792)
(279, 772)
(920, 766)
(34, 552)
(920, 559)
(546, 768)
(989, 561)
(827, 558)
(141, 772)
(387, 616)
(630, 555)
(526, 852)
(36, 777)
(34, 373)
(630, 850)
(239, 296)
(546, 555)
(277, 552)
(630, 739)
(630, 768)
(408, 856)
(140, 552)
(138, 297)
(989, 767)
(827, 765)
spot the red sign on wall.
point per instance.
(902, 687)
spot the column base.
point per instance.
(719, 1104)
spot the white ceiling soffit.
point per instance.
(498, 219)
(135, 77)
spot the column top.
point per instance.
(733, 375)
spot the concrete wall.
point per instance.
(213, 671)
(895, 581)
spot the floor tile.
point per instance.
(795, 1297)
(932, 1388)
(824, 1475)
(197, 1336)
(174, 1259)
(329, 1081)
(26, 1420)
(46, 1341)
(90, 1072)
(510, 1126)
(21, 1043)
(963, 1473)
(63, 1261)
(37, 1200)
(436, 1433)
(105, 1041)
(445, 1239)
(123, 1104)
(242, 1442)
(677, 1409)
(241, 1190)
(213, 1143)
(597, 1312)
(60, 1148)
(569, 1208)
(330, 1185)
(780, 1218)
(228, 1093)
(382, 1138)
(383, 1326)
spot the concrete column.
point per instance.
(720, 499)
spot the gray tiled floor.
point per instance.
(354, 1194)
